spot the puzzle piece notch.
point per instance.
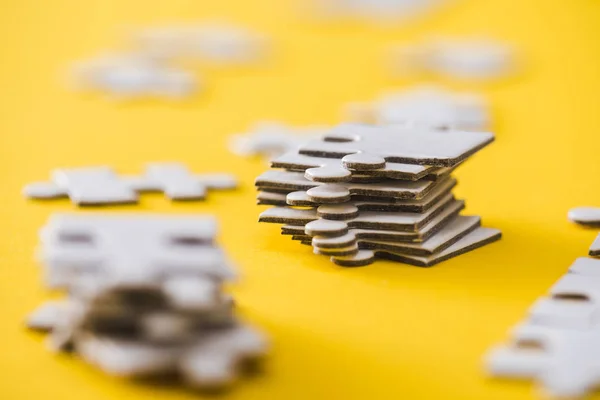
(411, 145)
(101, 185)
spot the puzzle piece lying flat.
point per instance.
(473, 240)
(375, 10)
(126, 76)
(214, 42)
(271, 139)
(364, 147)
(377, 220)
(586, 216)
(564, 362)
(424, 106)
(573, 303)
(320, 169)
(111, 251)
(559, 344)
(585, 266)
(101, 185)
(363, 203)
(293, 181)
(470, 59)
(447, 236)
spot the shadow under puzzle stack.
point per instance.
(364, 192)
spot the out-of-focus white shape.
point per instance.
(469, 59)
(559, 344)
(375, 10)
(213, 42)
(271, 139)
(425, 106)
(133, 75)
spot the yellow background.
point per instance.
(383, 331)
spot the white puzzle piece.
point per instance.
(295, 181)
(378, 220)
(467, 59)
(130, 250)
(411, 145)
(423, 234)
(321, 169)
(271, 139)
(595, 247)
(133, 75)
(585, 266)
(101, 185)
(424, 106)
(363, 203)
(586, 216)
(574, 303)
(213, 42)
(473, 240)
(564, 362)
(381, 11)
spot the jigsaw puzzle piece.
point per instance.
(573, 303)
(585, 266)
(394, 221)
(217, 358)
(564, 362)
(295, 181)
(424, 106)
(475, 239)
(410, 145)
(427, 231)
(586, 216)
(45, 317)
(448, 235)
(363, 203)
(84, 186)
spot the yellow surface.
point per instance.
(383, 331)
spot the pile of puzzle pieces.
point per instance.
(362, 192)
(145, 297)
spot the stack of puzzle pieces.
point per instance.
(144, 298)
(362, 192)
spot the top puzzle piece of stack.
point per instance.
(374, 191)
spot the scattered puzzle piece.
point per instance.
(586, 216)
(133, 75)
(271, 139)
(424, 106)
(101, 185)
(467, 59)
